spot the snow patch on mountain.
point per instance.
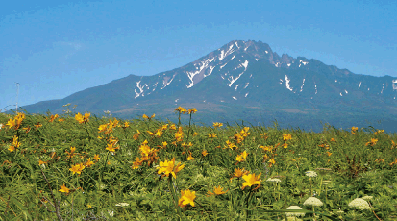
(232, 79)
(223, 54)
(140, 87)
(315, 88)
(359, 85)
(394, 84)
(303, 62)
(303, 83)
(211, 68)
(246, 85)
(223, 65)
(287, 83)
(234, 98)
(246, 94)
(202, 66)
(165, 79)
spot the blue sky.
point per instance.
(55, 48)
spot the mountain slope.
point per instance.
(247, 80)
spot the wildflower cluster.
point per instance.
(15, 123)
(168, 167)
(108, 128)
(148, 155)
(82, 119)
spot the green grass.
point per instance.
(111, 189)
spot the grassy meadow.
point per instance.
(76, 166)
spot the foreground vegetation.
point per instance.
(81, 167)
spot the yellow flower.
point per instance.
(11, 123)
(38, 125)
(212, 135)
(136, 135)
(204, 153)
(271, 162)
(216, 125)
(102, 128)
(267, 148)
(110, 147)
(333, 139)
(173, 127)
(217, 191)
(287, 137)
(82, 119)
(379, 131)
(372, 142)
(89, 163)
(393, 145)
(190, 156)
(11, 148)
(187, 198)
(137, 163)
(192, 110)
(169, 167)
(329, 154)
(150, 133)
(64, 189)
(144, 116)
(251, 179)
(15, 142)
(230, 144)
(71, 154)
(78, 168)
(42, 162)
(242, 156)
(354, 130)
(53, 117)
(239, 173)
(96, 157)
(181, 110)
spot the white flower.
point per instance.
(359, 203)
(313, 201)
(275, 180)
(311, 174)
(296, 214)
(122, 204)
(111, 213)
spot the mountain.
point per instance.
(246, 80)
